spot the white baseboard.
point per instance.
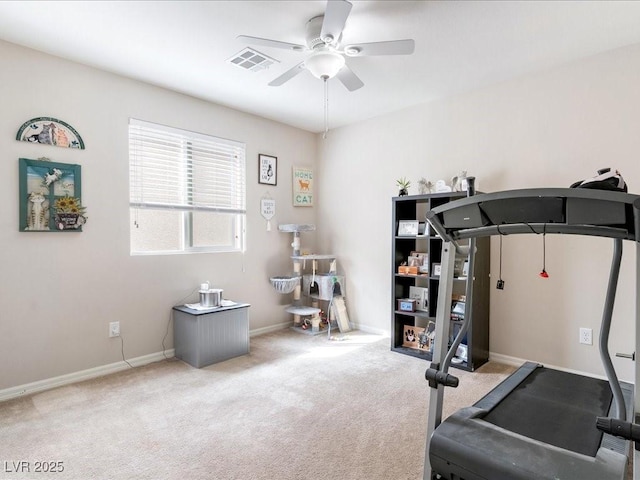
(271, 328)
(49, 383)
(505, 359)
(75, 377)
(516, 362)
(282, 326)
(369, 329)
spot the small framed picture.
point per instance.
(407, 228)
(437, 269)
(407, 304)
(267, 169)
(421, 296)
(465, 269)
(414, 337)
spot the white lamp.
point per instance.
(324, 64)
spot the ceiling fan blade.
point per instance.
(393, 47)
(265, 42)
(288, 75)
(349, 79)
(335, 17)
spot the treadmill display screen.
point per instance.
(524, 210)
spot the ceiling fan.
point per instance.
(327, 57)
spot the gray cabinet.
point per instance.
(407, 324)
(204, 337)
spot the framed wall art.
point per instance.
(50, 197)
(50, 131)
(267, 169)
(302, 187)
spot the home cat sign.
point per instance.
(302, 187)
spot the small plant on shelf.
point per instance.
(404, 184)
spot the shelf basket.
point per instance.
(284, 284)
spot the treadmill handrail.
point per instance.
(568, 196)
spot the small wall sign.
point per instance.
(267, 209)
(302, 187)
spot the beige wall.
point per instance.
(545, 130)
(58, 292)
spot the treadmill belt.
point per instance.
(557, 408)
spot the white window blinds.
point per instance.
(172, 168)
(191, 174)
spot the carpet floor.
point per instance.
(297, 407)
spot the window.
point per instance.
(187, 191)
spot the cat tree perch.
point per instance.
(317, 286)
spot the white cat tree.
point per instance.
(328, 287)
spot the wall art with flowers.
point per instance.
(50, 197)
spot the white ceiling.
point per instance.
(185, 45)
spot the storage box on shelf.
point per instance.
(415, 275)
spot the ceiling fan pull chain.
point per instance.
(326, 108)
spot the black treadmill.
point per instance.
(539, 423)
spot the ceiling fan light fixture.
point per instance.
(324, 64)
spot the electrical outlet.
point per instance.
(586, 336)
(114, 329)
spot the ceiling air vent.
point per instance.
(249, 59)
